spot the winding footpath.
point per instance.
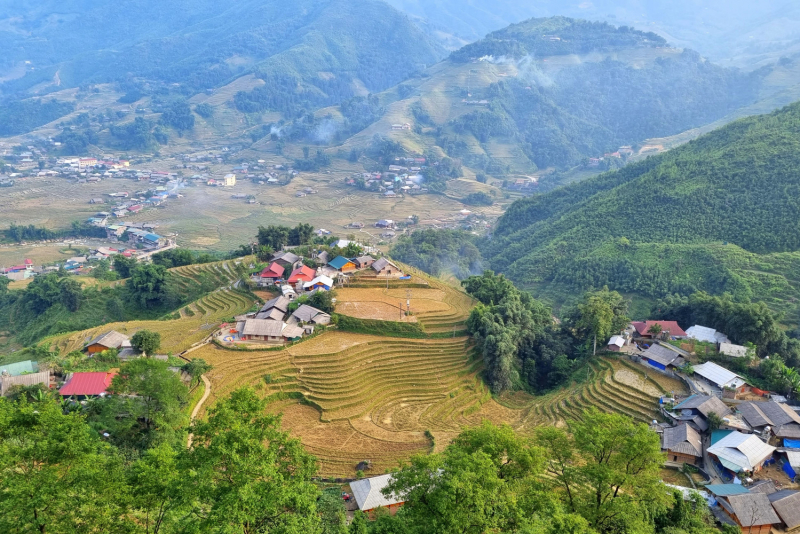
(196, 410)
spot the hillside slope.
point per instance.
(551, 93)
(318, 52)
(736, 32)
(721, 213)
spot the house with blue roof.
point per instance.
(342, 264)
(19, 368)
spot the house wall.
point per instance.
(348, 268)
(391, 508)
(682, 458)
(94, 349)
(390, 272)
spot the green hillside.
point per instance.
(551, 93)
(310, 53)
(720, 214)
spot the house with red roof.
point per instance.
(667, 327)
(82, 385)
(272, 274)
(302, 274)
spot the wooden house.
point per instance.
(364, 261)
(342, 264)
(107, 341)
(384, 267)
(682, 444)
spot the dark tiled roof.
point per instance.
(682, 439)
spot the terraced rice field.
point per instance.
(352, 397)
(440, 307)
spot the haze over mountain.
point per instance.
(736, 32)
(551, 93)
(719, 214)
(329, 49)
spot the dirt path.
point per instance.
(203, 399)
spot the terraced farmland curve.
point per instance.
(197, 321)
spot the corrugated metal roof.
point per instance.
(262, 327)
(367, 492)
(87, 384)
(724, 490)
(281, 303)
(743, 450)
(752, 413)
(112, 340)
(619, 341)
(16, 369)
(704, 333)
(716, 374)
(661, 354)
(338, 262)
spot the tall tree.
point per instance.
(146, 342)
(56, 477)
(148, 285)
(248, 475)
(273, 236)
(600, 314)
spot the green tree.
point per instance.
(301, 234)
(359, 524)
(146, 342)
(608, 470)
(56, 477)
(4, 285)
(124, 265)
(71, 293)
(196, 368)
(655, 330)
(158, 480)
(247, 475)
(148, 285)
(155, 414)
(323, 300)
(599, 315)
(273, 236)
(332, 512)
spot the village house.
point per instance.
(272, 274)
(663, 357)
(320, 283)
(83, 385)
(781, 420)
(342, 264)
(364, 261)
(108, 341)
(288, 292)
(668, 328)
(386, 268)
(385, 223)
(786, 504)
(720, 377)
(286, 259)
(696, 409)
(25, 373)
(741, 453)
(368, 493)
(302, 274)
(753, 512)
(703, 333)
(321, 258)
(616, 343)
(682, 444)
(306, 314)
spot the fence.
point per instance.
(32, 379)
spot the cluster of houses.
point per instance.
(727, 427)
(79, 385)
(275, 324)
(748, 440)
(288, 271)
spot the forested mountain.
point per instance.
(720, 214)
(554, 92)
(737, 32)
(317, 52)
